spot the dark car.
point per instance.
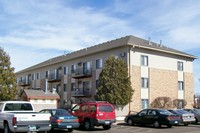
(155, 117)
(196, 113)
(186, 117)
(62, 119)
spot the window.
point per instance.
(65, 87)
(180, 85)
(180, 66)
(72, 86)
(33, 76)
(151, 112)
(73, 68)
(145, 83)
(97, 82)
(144, 60)
(65, 70)
(86, 67)
(37, 76)
(92, 108)
(105, 108)
(84, 108)
(143, 112)
(145, 103)
(56, 73)
(18, 107)
(99, 63)
(47, 74)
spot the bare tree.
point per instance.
(179, 103)
(162, 102)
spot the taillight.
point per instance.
(59, 120)
(50, 120)
(14, 121)
(76, 120)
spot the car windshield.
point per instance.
(105, 108)
(60, 112)
(18, 107)
(164, 112)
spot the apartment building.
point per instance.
(155, 71)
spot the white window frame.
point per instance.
(65, 70)
(144, 60)
(145, 82)
(180, 66)
(180, 85)
(144, 103)
(99, 63)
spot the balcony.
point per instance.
(80, 92)
(82, 73)
(54, 78)
(25, 83)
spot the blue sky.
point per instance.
(32, 31)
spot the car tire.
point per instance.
(156, 124)
(186, 124)
(130, 122)
(87, 125)
(107, 127)
(70, 129)
(196, 120)
(6, 128)
(169, 126)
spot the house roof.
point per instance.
(40, 94)
(124, 41)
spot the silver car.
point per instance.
(186, 117)
(196, 113)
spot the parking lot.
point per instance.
(124, 128)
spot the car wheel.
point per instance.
(6, 128)
(156, 124)
(186, 124)
(196, 121)
(70, 129)
(87, 125)
(130, 122)
(169, 126)
(107, 127)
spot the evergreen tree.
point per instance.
(7, 77)
(114, 83)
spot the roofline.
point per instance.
(124, 41)
(164, 51)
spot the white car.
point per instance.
(19, 116)
(186, 117)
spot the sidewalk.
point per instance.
(120, 119)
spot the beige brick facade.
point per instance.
(188, 87)
(136, 99)
(163, 83)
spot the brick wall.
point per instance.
(135, 82)
(189, 89)
(163, 83)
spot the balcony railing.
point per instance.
(80, 92)
(82, 73)
(54, 78)
(25, 82)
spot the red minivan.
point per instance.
(95, 113)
